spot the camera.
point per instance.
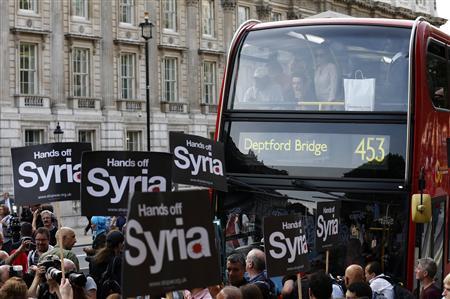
(16, 271)
(50, 261)
(76, 279)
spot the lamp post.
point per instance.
(146, 33)
(58, 133)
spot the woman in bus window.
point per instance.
(325, 77)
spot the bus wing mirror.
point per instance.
(421, 208)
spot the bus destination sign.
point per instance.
(316, 149)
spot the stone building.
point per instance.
(81, 63)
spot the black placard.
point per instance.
(169, 243)
(47, 172)
(109, 177)
(197, 161)
(285, 245)
(327, 224)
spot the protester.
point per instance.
(426, 269)
(4, 274)
(42, 246)
(358, 289)
(255, 266)
(7, 201)
(378, 284)
(236, 270)
(5, 227)
(89, 290)
(108, 261)
(197, 293)
(251, 291)
(68, 240)
(320, 286)
(230, 292)
(353, 273)
(47, 221)
(14, 288)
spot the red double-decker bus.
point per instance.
(355, 110)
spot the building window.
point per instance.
(34, 137)
(133, 140)
(127, 75)
(243, 14)
(80, 8)
(420, 2)
(209, 82)
(276, 16)
(170, 79)
(28, 68)
(87, 136)
(170, 15)
(80, 58)
(208, 17)
(127, 11)
(30, 5)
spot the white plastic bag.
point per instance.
(359, 93)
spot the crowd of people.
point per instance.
(31, 247)
(31, 267)
(247, 278)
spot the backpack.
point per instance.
(108, 283)
(400, 292)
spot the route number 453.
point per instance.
(371, 148)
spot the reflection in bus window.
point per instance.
(372, 227)
(293, 55)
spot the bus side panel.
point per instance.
(431, 130)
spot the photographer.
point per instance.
(42, 239)
(49, 276)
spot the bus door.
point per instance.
(431, 237)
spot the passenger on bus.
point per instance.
(325, 76)
(425, 270)
(264, 90)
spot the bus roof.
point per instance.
(336, 21)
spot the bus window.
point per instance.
(373, 227)
(304, 68)
(437, 75)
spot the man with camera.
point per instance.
(49, 276)
(42, 246)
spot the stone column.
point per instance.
(57, 49)
(5, 98)
(229, 12)
(107, 56)
(193, 30)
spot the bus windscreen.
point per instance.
(322, 68)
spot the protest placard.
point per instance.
(285, 245)
(170, 243)
(197, 161)
(110, 178)
(47, 172)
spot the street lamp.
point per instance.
(58, 133)
(146, 32)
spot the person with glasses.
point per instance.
(42, 238)
(446, 292)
